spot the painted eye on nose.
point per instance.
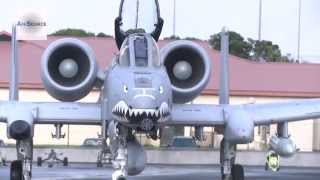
(161, 90)
(125, 89)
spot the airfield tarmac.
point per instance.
(163, 172)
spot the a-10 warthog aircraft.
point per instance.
(143, 90)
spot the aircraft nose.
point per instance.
(144, 102)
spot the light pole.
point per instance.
(259, 58)
(299, 33)
(260, 20)
(174, 18)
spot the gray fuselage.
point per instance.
(137, 87)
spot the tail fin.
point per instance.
(224, 68)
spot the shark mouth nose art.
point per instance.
(124, 112)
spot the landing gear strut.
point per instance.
(118, 146)
(104, 156)
(21, 168)
(229, 170)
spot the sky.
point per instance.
(194, 18)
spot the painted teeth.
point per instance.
(121, 107)
(130, 112)
(122, 110)
(164, 109)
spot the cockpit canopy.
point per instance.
(139, 14)
(139, 50)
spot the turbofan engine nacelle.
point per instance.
(285, 147)
(189, 69)
(69, 69)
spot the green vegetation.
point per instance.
(251, 49)
(101, 34)
(78, 33)
(73, 32)
(238, 46)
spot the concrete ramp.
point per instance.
(177, 157)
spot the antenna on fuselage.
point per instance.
(224, 95)
(14, 79)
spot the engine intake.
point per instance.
(188, 67)
(69, 69)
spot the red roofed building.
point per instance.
(250, 82)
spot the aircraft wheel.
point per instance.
(16, 170)
(223, 176)
(117, 175)
(39, 161)
(50, 165)
(121, 178)
(65, 161)
(4, 163)
(99, 164)
(237, 172)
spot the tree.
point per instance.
(251, 49)
(73, 32)
(172, 38)
(267, 51)
(238, 45)
(101, 34)
(192, 39)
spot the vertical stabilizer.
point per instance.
(224, 68)
(13, 92)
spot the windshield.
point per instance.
(139, 14)
(124, 57)
(140, 52)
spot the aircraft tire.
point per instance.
(121, 178)
(223, 176)
(266, 167)
(16, 170)
(237, 172)
(65, 161)
(4, 162)
(39, 161)
(99, 164)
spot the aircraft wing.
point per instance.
(260, 114)
(263, 114)
(69, 113)
(54, 113)
(196, 115)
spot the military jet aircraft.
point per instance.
(144, 90)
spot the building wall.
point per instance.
(301, 132)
